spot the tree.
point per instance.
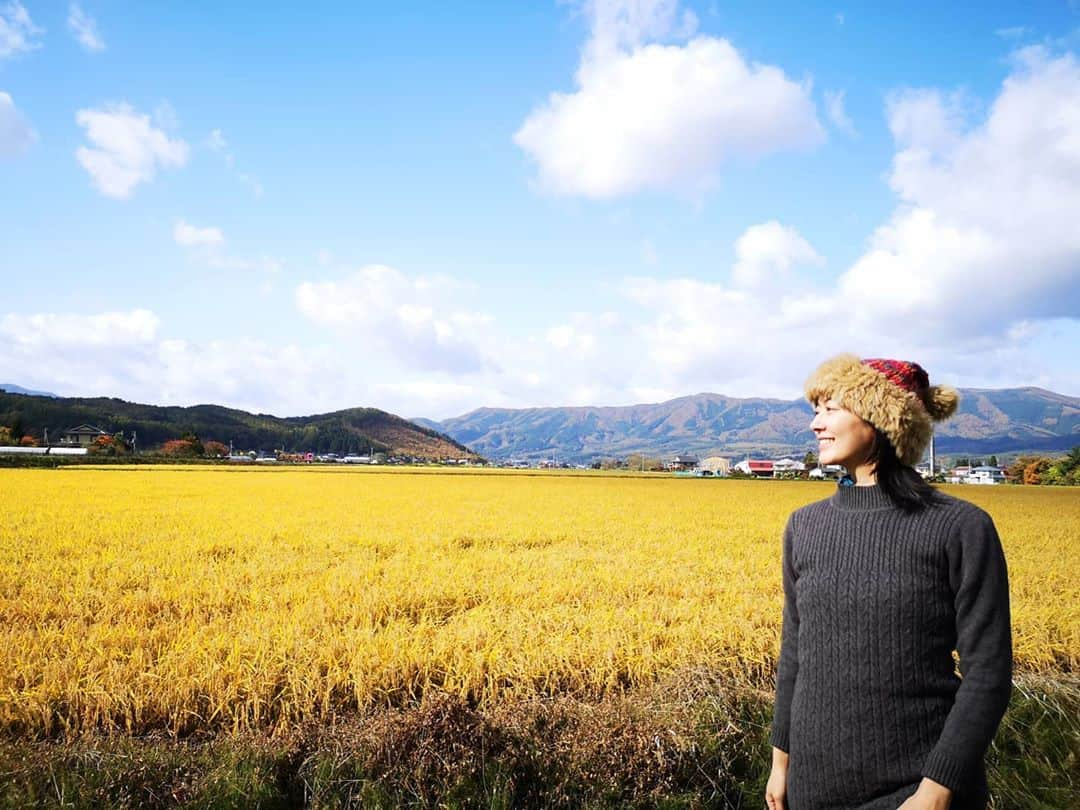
(810, 459)
(28, 441)
(181, 448)
(1034, 471)
(640, 461)
(993, 461)
(109, 446)
(193, 440)
(6, 438)
(1066, 470)
(1071, 462)
(962, 462)
(213, 449)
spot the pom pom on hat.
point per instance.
(941, 401)
(894, 396)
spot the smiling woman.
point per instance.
(881, 581)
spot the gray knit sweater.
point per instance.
(875, 601)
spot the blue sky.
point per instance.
(434, 207)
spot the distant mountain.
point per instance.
(355, 430)
(11, 388)
(988, 421)
(430, 424)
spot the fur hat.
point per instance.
(894, 396)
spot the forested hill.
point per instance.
(988, 421)
(355, 430)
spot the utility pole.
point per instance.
(933, 465)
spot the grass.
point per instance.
(683, 743)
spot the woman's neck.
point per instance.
(865, 475)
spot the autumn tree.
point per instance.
(109, 446)
(214, 449)
(1034, 471)
(181, 448)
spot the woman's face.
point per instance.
(843, 437)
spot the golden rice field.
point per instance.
(225, 599)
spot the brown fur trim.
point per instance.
(867, 393)
(941, 401)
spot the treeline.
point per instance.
(149, 427)
(1041, 470)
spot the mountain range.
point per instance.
(1002, 421)
(11, 388)
(351, 431)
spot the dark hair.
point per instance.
(900, 483)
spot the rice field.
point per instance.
(216, 599)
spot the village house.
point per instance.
(787, 468)
(756, 468)
(985, 475)
(82, 436)
(958, 474)
(684, 462)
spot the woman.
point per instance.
(882, 581)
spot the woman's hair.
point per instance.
(903, 486)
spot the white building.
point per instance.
(787, 467)
(985, 475)
(717, 465)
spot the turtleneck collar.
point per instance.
(861, 499)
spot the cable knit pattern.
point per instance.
(875, 602)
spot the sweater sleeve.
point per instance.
(788, 664)
(979, 581)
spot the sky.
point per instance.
(434, 207)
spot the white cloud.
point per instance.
(1012, 32)
(84, 27)
(126, 149)
(109, 329)
(834, 107)
(578, 338)
(165, 116)
(189, 235)
(976, 274)
(206, 245)
(618, 25)
(766, 253)
(650, 116)
(16, 136)
(217, 143)
(406, 316)
(17, 30)
(989, 207)
(123, 354)
(980, 257)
